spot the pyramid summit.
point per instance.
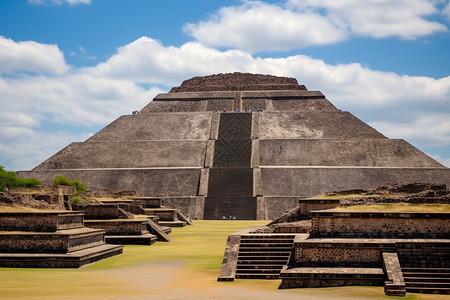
(241, 145)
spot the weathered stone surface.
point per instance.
(290, 142)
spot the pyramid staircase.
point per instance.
(263, 256)
(230, 183)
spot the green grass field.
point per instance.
(186, 268)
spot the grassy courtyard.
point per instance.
(186, 268)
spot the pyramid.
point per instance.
(244, 146)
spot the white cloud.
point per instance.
(255, 26)
(446, 11)
(79, 99)
(147, 61)
(30, 56)
(59, 2)
(23, 148)
(380, 18)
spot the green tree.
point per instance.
(9, 179)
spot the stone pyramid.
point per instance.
(239, 145)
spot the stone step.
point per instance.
(265, 249)
(49, 221)
(74, 259)
(257, 276)
(266, 245)
(230, 182)
(266, 241)
(330, 272)
(258, 271)
(135, 226)
(267, 236)
(259, 266)
(427, 284)
(143, 239)
(177, 223)
(323, 277)
(425, 275)
(428, 290)
(445, 279)
(426, 270)
(271, 260)
(160, 232)
(62, 241)
(264, 255)
(238, 207)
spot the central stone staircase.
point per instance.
(263, 256)
(230, 183)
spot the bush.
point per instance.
(9, 179)
(81, 188)
(76, 200)
(62, 180)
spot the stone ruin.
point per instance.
(404, 251)
(40, 227)
(237, 145)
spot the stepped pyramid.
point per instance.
(192, 148)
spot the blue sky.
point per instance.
(70, 67)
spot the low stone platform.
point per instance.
(46, 221)
(319, 277)
(62, 241)
(167, 216)
(55, 239)
(124, 231)
(74, 259)
(359, 224)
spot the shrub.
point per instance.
(62, 180)
(81, 187)
(9, 179)
(76, 200)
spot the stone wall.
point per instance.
(41, 222)
(380, 225)
(308, 205)
(128, 154)
(311, 181)
(158, 126)
(47, 243)
(106, 211)
(335, 254)
(313, 125)
(342, 152)
(122, 227)
(155, 182)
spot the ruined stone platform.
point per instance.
(50, 240)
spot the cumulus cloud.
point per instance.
(409, 107)
(255, 26)
(59, 2)
(446, 11)
(147, 61)
(23, 148)
(30, 56)
(383, 18)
